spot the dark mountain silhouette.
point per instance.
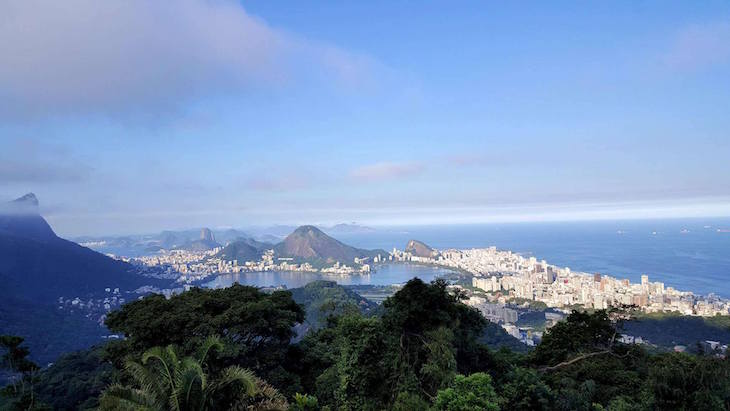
(45, 266)
(244, 249)
(37, 267)
(20, 218)
(419, 249)
(310, 243)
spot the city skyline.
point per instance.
(234, 114)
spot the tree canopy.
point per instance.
(421, 349)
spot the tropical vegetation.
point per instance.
(422, 349)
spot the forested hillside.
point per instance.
(234, 349)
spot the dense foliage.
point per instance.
(670, 329)
(322, 299)
(20, 394)
(256, 328)
(424, 350)
(76, 379)
(165, 380)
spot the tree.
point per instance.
(362, 366)
(165, 380)
(20, 394)
(583, 362)
(683, 382)
(471, 393)
(304, 402)
(524, 390)
(256, 327)
(408, 401)
(76, 380)
(581, 333)
(404, 357)
(435, 335)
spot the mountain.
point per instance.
(311, 244)
(321, 299)
(204, 243)
(206, 235)
(269, 238)
(244, 249)
(20, 218)
(229, 235)
(145, 244)
(173, 239)
(419, 249)
(44, 266)
(37, 267)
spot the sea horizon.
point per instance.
(693, 260)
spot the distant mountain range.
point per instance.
(200, 239)
(136, 245)
(305, 244)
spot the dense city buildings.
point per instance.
(190, 266)
(506, 275)
(504, 285)
(502, 275)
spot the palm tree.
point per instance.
(165, 381)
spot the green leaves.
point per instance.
(121, 398)
(403, 358)
(471, 393)
(232, 375)
(14, 356)
(164, 380)
(423, 353)
(239, 313)
(255, 329)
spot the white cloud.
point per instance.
(700, 46)
(111, 56)
(386, 171)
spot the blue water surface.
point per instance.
(384, 275)
(688, 254)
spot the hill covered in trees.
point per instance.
(423, 350)
(37, 268)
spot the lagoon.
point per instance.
(386, 274)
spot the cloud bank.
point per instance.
(79, 56)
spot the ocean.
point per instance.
(687, 254)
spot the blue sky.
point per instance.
(135, 116)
